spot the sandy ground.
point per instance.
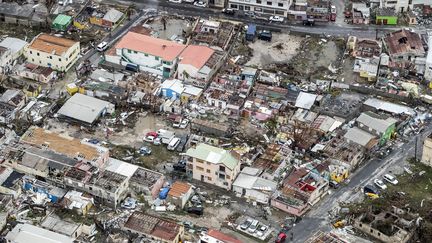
(267, 52)
(174, 26)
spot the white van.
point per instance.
(102, 46)
(253, 227)
(173, 143)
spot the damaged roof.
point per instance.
(154, 226)
(403, 41)
(375, 121)
(359, 136)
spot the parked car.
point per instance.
(249, 14)
(228, 11)
(276, 19)
(175, 1)
(196, 210)
(333, 184)
(309, 22)
(187, 224)
(181, 146)
(390, 178)
(102, 46)
(180, 166)
(93, 141)
(189, 1)
(200, 4)
(380, 184)
(145, 150)
(281, 238)
(261, 231)
(265, 35)
(369, 189)
(253, 227)
(184, 123)
(173, 143)
(246, 224)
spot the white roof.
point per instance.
(389, 107)
(13, 44)
(192, 90)
(210, 23)
(429, 54)
(373, 120)
(25, 233)
(113, 15)
(305, 100)
(173, 84)
(358, 136)
(254, 182)
(121, 167)
(83, 108)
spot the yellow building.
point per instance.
(55, 52)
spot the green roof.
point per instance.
(213, 155)
(62, 19)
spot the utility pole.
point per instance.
(415, 149)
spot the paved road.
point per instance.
(318, 217)
(334, 29)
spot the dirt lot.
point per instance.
(174, 26)
(280, 50)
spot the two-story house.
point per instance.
(404, 45)
(52, 51)
(213, 165)
(264, 7)
(381, 126)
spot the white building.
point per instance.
(399, 5)
(264, 7)
(25, 233)
(54, 52)
(150, 54)
(428, 69)
(249, 185)
(10, 50)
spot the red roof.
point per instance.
(222, 237)
(167, 50)
(196, 56)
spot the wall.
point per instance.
(209, 171)
(57, 62)
(261, 7)
(297, 211)
(189, 69)
(391, 20)
(427, 152)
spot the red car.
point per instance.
(281, 238)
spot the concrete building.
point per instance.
(249, 185)
(400, 6)
(428, 68)
(427, 151)
(150, 54)
(404, 45)
(55, 52)
(215, 236)
(25, 233)
(262, 7)
(84, 109)
(10, 50)
(213, 165)
(358, 136)
(197, 63)
(151, 227)
(179, 193)
(381, 126)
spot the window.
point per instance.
(146, 55)
(269, 3)
(209, 178)
(228, 177)
(222, 168)
(225, 183)
(129, 51)
(208, 171)
(235, 6)
(258, 1)
(32, 59)
(135, 52)
(157, 58)
(200, 168)
(278, 12)
(31, 52)
(50, 57)
(59, 59)
(222, 176)
(247, 8)
(37, 54)
(280, 4)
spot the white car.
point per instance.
(189, 1)
(276, 19)
(380, 184)
(261, 231)
(184, 123)
(391, 179)
(149, 139)
(102, 46)
(200, 4)
(175, 1)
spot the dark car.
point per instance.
(309, 22)
(228, 11)
(180, 166)
(370, 189)
(196, 210)
(265, 35)
(182, 143)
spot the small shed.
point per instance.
(180, 193)
(62, 22)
